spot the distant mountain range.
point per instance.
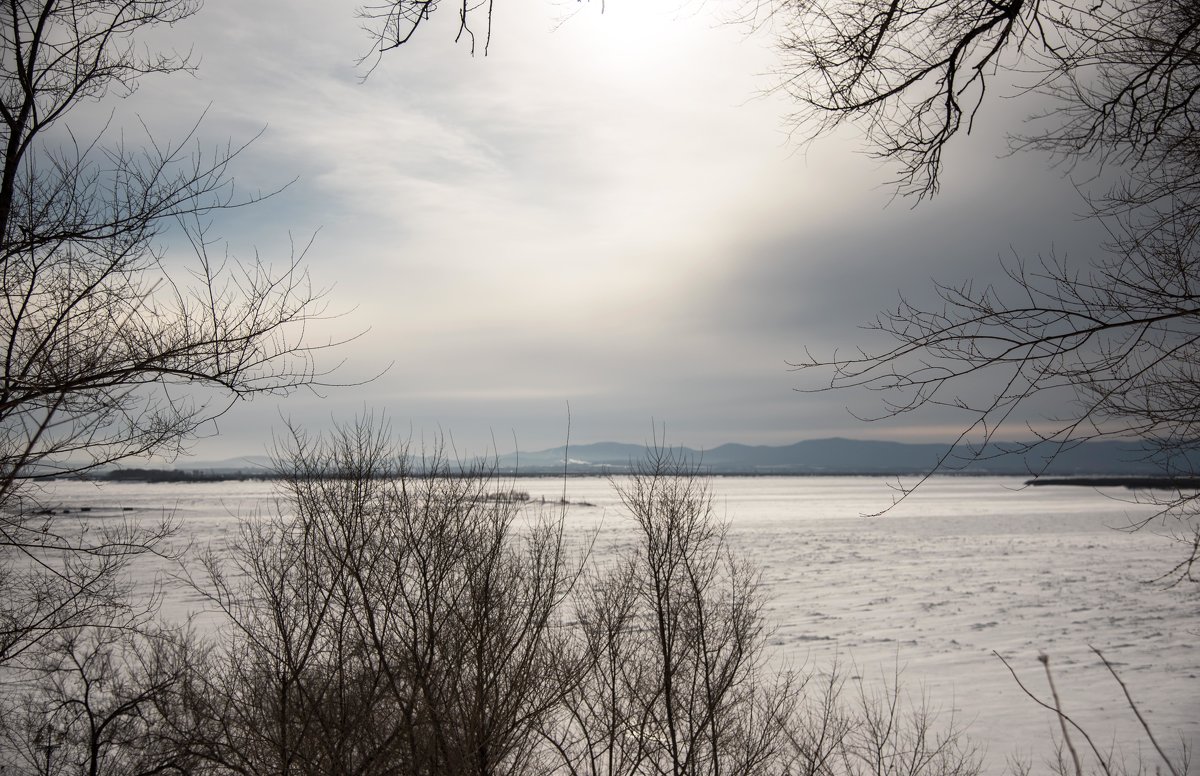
(834, 456)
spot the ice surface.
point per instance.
(965, 568)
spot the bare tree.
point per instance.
(1125, 78)
(112, 346)
(397, 613)
(391, 24)
(674, 636)
(916, 74)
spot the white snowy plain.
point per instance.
(963, 570)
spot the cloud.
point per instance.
(609, 213)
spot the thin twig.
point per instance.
(1044, 659)
(1137, 712)
(1057, 709)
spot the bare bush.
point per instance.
(392, 614)
(93, 703)
(673, 634)
(677, 679)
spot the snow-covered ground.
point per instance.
(964, 569)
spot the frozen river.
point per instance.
(963, 569)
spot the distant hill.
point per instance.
(834, 456)
(851, 456)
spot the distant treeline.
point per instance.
(1132, 483)
(182, 475)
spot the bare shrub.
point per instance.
(677, 681)
(390, 615)
(92, 705)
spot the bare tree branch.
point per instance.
(111, 346)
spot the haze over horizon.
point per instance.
(607, 212)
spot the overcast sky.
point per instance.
(609, 213)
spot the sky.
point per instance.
(605, 227)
